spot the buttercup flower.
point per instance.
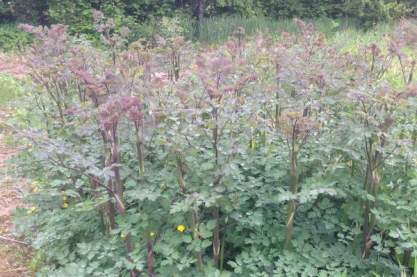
(181, 228)
(31, 210)
(151, 234)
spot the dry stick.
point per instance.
(20, 269)
(13, 240)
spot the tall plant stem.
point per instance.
(216, 209)
(181, 173)
(277, 107)
(198, 254)
(106, 209)
(140, 149)
(216, 237)
(367, 188)
(141, 158)
(372, 180)
(414, 134)
(369, 219)
(292, 205)
(195, 221)
(150, 258)
(117, 187)
(222, 251)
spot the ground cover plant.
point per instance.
(262, 156)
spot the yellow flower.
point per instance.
(31, 210)
(122, 235)
(64, 198)
(35, 189)
(181, 228)
(151, 234)
(65, 205)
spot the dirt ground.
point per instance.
(13, 255)
(12, 65)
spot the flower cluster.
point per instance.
(116, 107)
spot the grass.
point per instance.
(13, 39)
(344, 32)
(9, 90)
(216, 30)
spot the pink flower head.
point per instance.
(90, 82)
(112, 111)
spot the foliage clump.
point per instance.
(258, 157)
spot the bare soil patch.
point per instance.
(13, 255)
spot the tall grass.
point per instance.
(215, 30)
(10, 89)
(13, 39)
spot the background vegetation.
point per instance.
(65, 11)
(199, 19)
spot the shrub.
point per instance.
(369, 12)
(5, 12)
(13, 39)
(9, 90)
(257, 157)
(77, 13)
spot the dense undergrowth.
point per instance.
(206, 21)
(77, 13)
(257, 157)
(215, 30)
